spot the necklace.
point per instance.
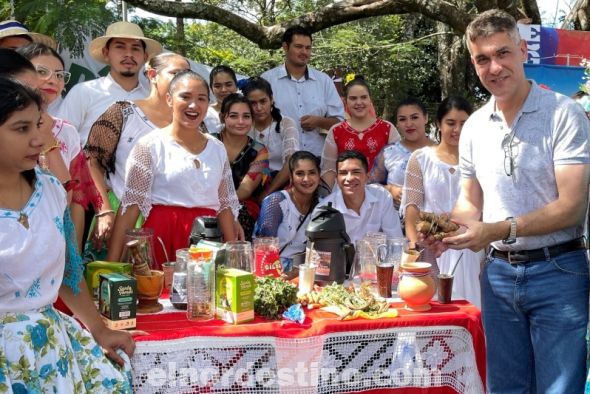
(243, 149)
(262, 133)
(23, 218)
(298, 205)
(195, 149)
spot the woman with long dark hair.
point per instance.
(248, 158)
(432, 184)
(41, 349)
(277, 132)
(222, 82)
(286, 213)
(176, 174)
(389, 169)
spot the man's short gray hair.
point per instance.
(491, 22)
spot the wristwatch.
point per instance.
(512, 235)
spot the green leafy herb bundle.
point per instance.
(273, 296)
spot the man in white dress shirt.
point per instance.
(126, 50)
(304, 94)
(365, 207)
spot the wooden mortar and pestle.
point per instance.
(150, 283)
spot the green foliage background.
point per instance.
(396, 54)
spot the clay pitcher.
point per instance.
(149, 289)
(416, 286)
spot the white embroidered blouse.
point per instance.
(280, 144)
(32, 259)
(161, 172)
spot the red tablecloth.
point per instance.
(460, 313)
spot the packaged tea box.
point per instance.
(117, 300)
(234, 295)
(95, 268)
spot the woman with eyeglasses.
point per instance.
(115, 133)
(432, 184)
(15, 65)
(65, 139)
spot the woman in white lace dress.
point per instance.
(432, 184)
(277, 132)
(113, 136)
(176, 174)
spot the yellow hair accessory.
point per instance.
(349, 77)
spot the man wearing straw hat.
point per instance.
(125, 49)
(14, 35)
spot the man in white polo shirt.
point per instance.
(365, 207)
(304, 94)
(525, 169)
(125, 49)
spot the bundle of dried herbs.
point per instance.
(439, 226)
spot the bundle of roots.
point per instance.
(439, 226)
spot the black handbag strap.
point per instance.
(296, 231)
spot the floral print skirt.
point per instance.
(45, 351)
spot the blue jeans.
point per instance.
(535, 317)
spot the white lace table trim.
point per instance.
(418, 357)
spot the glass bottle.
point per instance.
(178, 293)
(200, 284)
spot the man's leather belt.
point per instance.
(525, 256)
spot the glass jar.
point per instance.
(139, 250)
(266, 256)
(178, 292)
(200, 284)
(239, 255)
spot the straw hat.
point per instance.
(122, 30)
(11, 28)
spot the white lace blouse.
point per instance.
(161, 172)
(280, 145)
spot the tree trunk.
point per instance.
(453, 62)
(579, 16)
(180, 41)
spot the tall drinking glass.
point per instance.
(238, 254)
(389, 259)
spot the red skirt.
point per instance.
(173, 225)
